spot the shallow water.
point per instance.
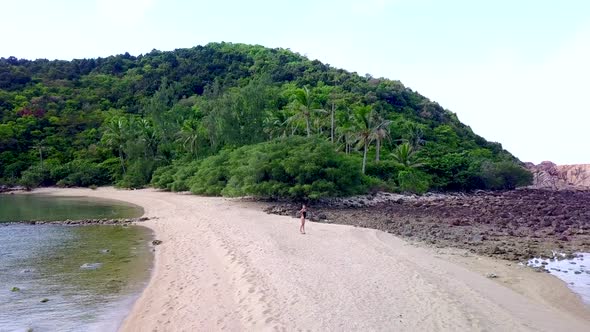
(90, 275)
(40, 207)
(574, 272)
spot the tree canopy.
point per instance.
(120, 119)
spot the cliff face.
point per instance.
(551, 176)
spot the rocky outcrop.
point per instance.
(515, 225)
(548, 175)
(9, 189)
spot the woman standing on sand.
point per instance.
(303, 212)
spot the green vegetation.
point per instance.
(233, 119)
(295, 167)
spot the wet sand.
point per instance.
(226, 265)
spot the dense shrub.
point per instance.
(183, 173)
(212, 175)
(34, 177)
(413, 181)
(384, 170)
(163, 177)
(138, 174)
(293, 167)
(77, 173)
(113, 168)
(505, 175)
(84, 173)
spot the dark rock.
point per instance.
(509, 225)
(156, 242)
(496, 250)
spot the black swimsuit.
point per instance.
(304, 214)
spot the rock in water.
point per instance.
(90, 266)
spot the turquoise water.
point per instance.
(89, 275)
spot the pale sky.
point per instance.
(517, 71)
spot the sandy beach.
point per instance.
(226, 265)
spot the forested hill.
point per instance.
(233, 119)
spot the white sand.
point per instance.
(224, 265)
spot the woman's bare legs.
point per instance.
(302, 227)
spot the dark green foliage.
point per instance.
(293, 167)
(211, 177)
(183, 173)
(383, 170)
(77, 173)
(163, 176)
(197, 119)
(413, 181)
(82, 173)
(138, 174)
(34, 177)
(504, 175)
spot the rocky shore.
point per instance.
(514, 225)
(82, 222)
(9, 189)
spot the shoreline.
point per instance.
(226, 264)
(78, 222)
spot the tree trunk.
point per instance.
(307, 125)
(364, 158)
(332, 122)
(378, 143)
(122, 160)
(41, 156)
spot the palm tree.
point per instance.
(413, 134)
(304, 103)
(364, 130)
(190, 134)
(345, 133)
(40, 146)
(332, 122)
(319, 122)
(115, 136)
(370, 128)
(380, 132)
(404, 154)
(276, 124)
(148, 135)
